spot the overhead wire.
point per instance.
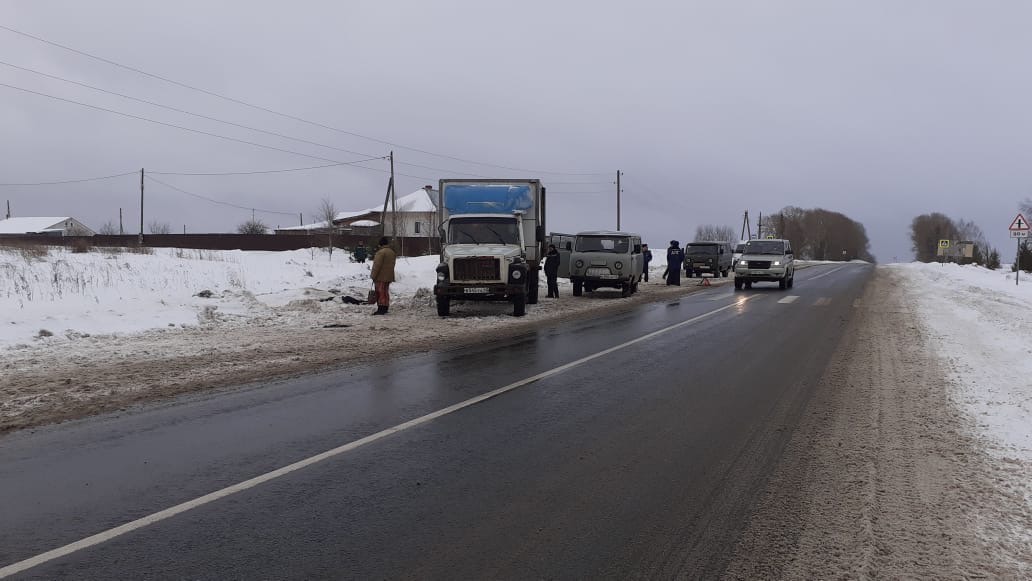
(285, 115)
(214, 201)
(73, 181)
(267, 171)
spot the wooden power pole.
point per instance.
(618, 172)
(140, 238)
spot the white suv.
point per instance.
(768, 260)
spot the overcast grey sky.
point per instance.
(879, 110)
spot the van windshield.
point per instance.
(699, 249)
(614, 244)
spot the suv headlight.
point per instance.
(743, 263)
(777, 263)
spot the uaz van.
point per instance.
(605, 259)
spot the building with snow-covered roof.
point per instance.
(47, 226)
(416, 218)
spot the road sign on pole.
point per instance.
(1019, 224)
(1018, 229)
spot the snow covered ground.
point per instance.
(982, 328)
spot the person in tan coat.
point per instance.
(383, 275)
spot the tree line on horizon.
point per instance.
(927, 230)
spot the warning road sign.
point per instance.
(944, 244)
(1019, 224)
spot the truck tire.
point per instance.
(727, 272)
(578, 288)
(519, 305)
(738, 284)
(783, 283)
(532, 287)
(443, 306)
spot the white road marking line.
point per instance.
(789, 299)
(262, 479)
(822, 302)
(832, 271)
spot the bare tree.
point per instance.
(712, 232)
(327, 212)
(156, 227)
(108, 229)
(253, 226)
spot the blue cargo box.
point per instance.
(487, 198)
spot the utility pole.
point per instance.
(394, 209)
(759, 226)
(140, 239)
(618, 172)
(121, 229)
(746, 227)
(8, 208)
(386, 200)
(300, 219)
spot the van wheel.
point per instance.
(748, 284)
(634, 288)
(738, 284)
(625, 290)
(578, 288)
(443, 306)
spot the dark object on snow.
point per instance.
(205, 294)
(335, 326)
(361, 252)
(350, 300)
(327, 299)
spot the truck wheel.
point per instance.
(532, 288)
(748, 284)
(443, 306)
(727, 272)
(783, 283)
(519, 305)
(687, 274)
(738, 284)
(634, 288)
(578, 288)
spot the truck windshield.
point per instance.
(697, 249)
(765, 247)
(483, 231)
(614, 244)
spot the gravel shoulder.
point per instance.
(886, 477)
(41, 385)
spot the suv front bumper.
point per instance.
(772, 274)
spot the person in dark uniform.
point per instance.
(361, 252)
(552, 271)
(646, 255)
(674, 260)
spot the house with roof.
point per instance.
(416, 218)
(44, 226)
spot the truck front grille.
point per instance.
(477, 268)
(759, 264)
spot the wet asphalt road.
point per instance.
(643, 462)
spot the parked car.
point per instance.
(606, 259)
(768, 260)
(707, 256)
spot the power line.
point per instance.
(223, 121)
(214, 201)
(174, 126)
(286, 115)
(75, 181)
(246, 173)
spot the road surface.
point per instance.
(629, 445)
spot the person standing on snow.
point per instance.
(674, 259)
(647, 257)
(552, 271)
(361, 252)
(383, 275)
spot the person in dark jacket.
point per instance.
(552, 271)
(674, 260)
(361, 252)
(646, 255)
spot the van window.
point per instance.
(616, 245)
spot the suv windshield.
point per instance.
(697, 249)
(765, 247)
(614, 244)
(483, 231)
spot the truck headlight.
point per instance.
(516, 274)
(618, 265)
(441, 276)
(579, 264)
